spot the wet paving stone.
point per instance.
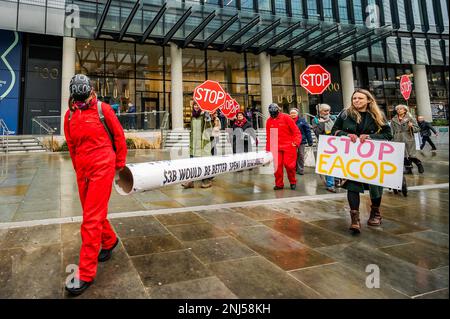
(306, 233)
(203, 288)
(440, 294)
(256, 278)
(195, 231)
(218, 249)
(115, 279)
(70, 232)
(421, 255)
(259, 213)
(137, 227)
(442, 273)
(31, 236)
(179, 219)
(279, 249)
(7, 212)
(31, 272)
(398, 274)
(227, 219)
(430, 237)
(18, 190)
(398, 228)
(339, 282)
(166, 268)
(151, 244)
(369, 236)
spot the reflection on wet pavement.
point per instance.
(296, 249)
(43, 186)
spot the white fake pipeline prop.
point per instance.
(141, 177)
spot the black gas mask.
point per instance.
(274, 110)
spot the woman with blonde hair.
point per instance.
(362, 120)
(404, 125)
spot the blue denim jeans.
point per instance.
(330, 181)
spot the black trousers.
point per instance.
(427, 139)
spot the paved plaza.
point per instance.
(238, 239)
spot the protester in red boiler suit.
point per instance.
(95, 162)
(285, 153)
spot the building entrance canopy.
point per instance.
(190, 24)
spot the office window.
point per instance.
(421, 52)
(327, 9)
(430, 15)
(246, 4)
(343, 10)
(387, 12)
(297, 8)
(402, 15)
(312, 8)
(417, 13)
(407, 54)
(436, 52)
(229, 3)
(280, 6)
(265, 5)
(444, 9)
(357, 8)
(392, 50)
(377, 52)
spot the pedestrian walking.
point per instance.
(322, 124)
(131, 116)
(425, 128)
(404, 126)
(305, 130)
(284, 149)
(98, 150)
(199, 140)
(362, 120)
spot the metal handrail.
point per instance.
(164, 128)
(50, 131)
(5, 134)
(44, 125)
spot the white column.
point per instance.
(265, 75)
(67, 72)
(347, 82)
(422, 92)
(176, 70)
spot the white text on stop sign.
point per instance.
(208, 95)
(315, 79)
(405, 86)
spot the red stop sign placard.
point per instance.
(405, 86)
(315, 79)
(230, 107)
(209, 96)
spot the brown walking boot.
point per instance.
(356, 225)
(375, 216)
(188, 185)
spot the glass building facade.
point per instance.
(124, 46)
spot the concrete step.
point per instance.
(20, 144)
(28, 148)
(21, 151)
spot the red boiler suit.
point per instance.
(286, 154)
(95, 162)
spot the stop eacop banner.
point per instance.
(372, 162)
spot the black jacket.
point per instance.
(425, 128)
(240, 137)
